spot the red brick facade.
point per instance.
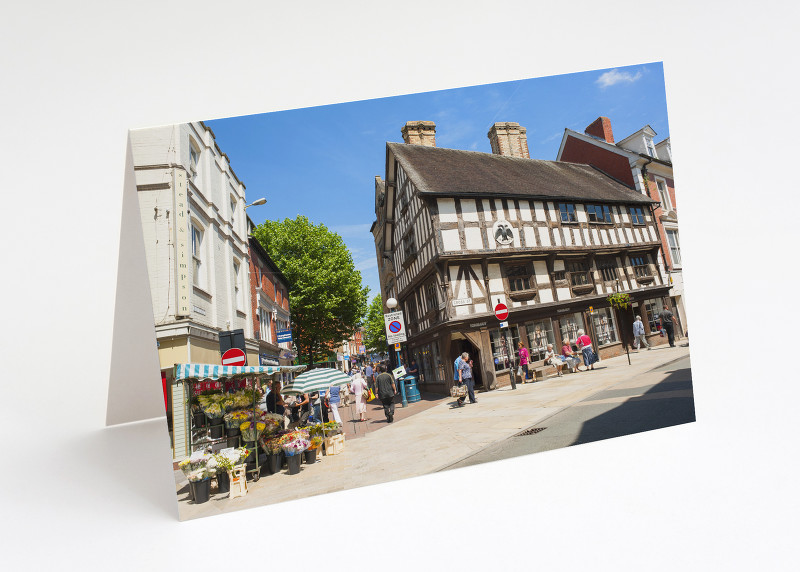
(263, 274)
(601, 127)
(613, 164)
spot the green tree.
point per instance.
(375, 327)
(327, 298)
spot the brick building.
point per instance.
(637, 161)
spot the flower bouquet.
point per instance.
(295, 443)
(332, 428)
(271, 445)
(197, 461)
(316, 442)
(235, 418)
(252, 431)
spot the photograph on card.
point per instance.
(357, 293)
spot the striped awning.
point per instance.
(315, 380)
(212, 372)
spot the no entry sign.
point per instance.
(234, 356)
(501, 312)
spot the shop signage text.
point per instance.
(477, 324)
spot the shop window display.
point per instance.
(605, 329)
(504, 359)
(539, 335)
(569, 326)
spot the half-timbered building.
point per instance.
(457, 232)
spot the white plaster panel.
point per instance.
(625, 218)
(551, 212)
(447, 210)
(558, 265)
(580, 211)
(563, 293)
(603, 236)
(516, 304)
(516, 242)
(480, 308)
(512, 211)
(450, 240)
(652, 233)
(546, 296)
(586, 240)
(487, 210)
(469, 210)
(567, 237)
(628, 235)
(495, 278)
(595, 236)
(538, 209)
(475, 284)
(490, 238)
(462, 310)
(599, 288)
(544, 236)
(613, 235)
(530, 238)
(557, 237)
(577, 237)
(473, 238)
(540, 272)
(525, 210)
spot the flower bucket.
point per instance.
(198, 420)
(216, 430)
(293, 464)
(232, 432)
(201, 490)
(273, 463)
(233, 442)
(310, 456)
(223, 482)
(251, 446)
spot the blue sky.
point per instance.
(322, 161)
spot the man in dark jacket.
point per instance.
(386, 392)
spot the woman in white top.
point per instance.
(359, 388)
(550, 357)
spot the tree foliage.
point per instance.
(327, 298)
(375, 327)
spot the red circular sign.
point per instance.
(501, 312)
(234, 356)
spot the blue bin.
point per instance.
(412, 393)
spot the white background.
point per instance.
(717, 494)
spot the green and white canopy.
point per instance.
(315, 380)
(212, 372)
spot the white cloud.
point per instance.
(615, 76)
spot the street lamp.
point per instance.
(257, 202)
(391, 303)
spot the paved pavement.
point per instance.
(432, 437)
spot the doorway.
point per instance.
(459, 346)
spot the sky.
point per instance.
(321, 162)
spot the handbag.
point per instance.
(519, 371)
(458, 391)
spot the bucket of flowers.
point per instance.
(198, 470)
(272, 447)
(232, 422)
(224, 466)
(293, 445)
(313, 447)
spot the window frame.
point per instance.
(607, 263)
(238, 291)
(578, 268)
(409, 244)
(604, 211)
(641, 270)
(197, 253)
(569, 211)
(676, 261)
(637, 216)
(666, 203)
(510, 279)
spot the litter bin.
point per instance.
(412, 393)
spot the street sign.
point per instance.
(503, 324)
(395, 327)
(399, 372)
(283, 336)
(397, 347)
(234, 356)
(501, 312)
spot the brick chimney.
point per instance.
(420, 133)
(509, 139)
(601, 127)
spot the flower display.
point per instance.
(620, 300)
(214, 410)
(196, 462)
(316, 442)
(251, 431)
(294, 442)
(235, 418)
(271, 445)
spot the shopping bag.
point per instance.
(458, 391)
(370, 395)
(519, 371)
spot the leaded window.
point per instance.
(567, 211)
(637, 215)
(518, 277)
(598, 213)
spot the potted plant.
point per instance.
(311, 453)
(620, 300)
(293, 445)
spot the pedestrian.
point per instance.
(413, 369)
(573, 362)
(359, 388)
(638, 334)
(386, 392)
(524, 357)
(668, 322)
(456, 365)
(368, 371)
(334, 398)
(465, 376)
(585, 344)
(551, 358)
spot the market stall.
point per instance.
(225, 407)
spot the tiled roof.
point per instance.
(439, 171)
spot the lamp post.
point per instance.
(391, 303)
(257, 202)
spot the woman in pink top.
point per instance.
(523, 361)
(585, 344)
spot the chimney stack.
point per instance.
(601, 127)
(420, 133)
(509, 139)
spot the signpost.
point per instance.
(396, 334)
(234, 356)
(501, 313)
